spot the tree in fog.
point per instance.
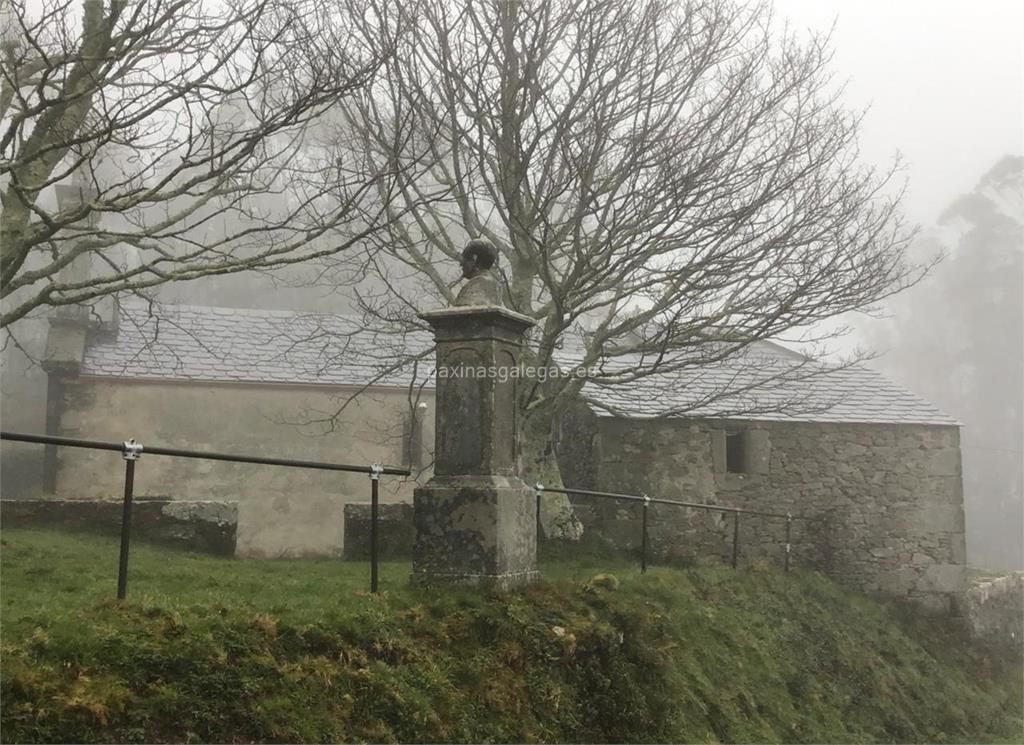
(959, 339)
(674, 180)
(149, 142)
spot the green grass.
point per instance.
(48, 572)
(222, 650)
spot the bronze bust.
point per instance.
(478, 259)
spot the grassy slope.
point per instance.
(221, 650)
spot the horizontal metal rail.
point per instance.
(131, 451)
(205, 455)
(674, 502)
(646, 501)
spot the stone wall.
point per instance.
(395, 531)
(884, 502)
(994, 610)
(210, 527)
(281, 511)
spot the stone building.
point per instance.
(870, 472)
(874, 483)
(879, 504)
(267, 383)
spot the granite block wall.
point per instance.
(205, 526)
(395, 531)
(878, 506)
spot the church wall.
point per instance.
(281, 511)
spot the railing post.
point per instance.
(643, 535)
(789, 526)
(539, 488)
(131, 451)
(375, 471)
(735, 537)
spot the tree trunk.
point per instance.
(540, 466)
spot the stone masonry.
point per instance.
(204, 526)
(876, 468)
(995, 611)
(885, 500)
(395, 534)
(475, 519)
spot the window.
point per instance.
(736, 451)
(741, 449)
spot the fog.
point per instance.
(956, 339)
(942, 86)
(942, 83)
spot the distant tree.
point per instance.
(958, 338)
(675, 180)
(151, 142)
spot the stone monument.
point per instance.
(475, 519)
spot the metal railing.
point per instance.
(647, 501)
(131, 451)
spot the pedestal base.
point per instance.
(475, 530)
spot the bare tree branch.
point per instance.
(667, 182)
(198, 135)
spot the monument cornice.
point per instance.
(477, 312)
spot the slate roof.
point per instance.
(191, 342)
(182, 342)
(766, 388)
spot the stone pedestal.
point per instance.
(475, 519)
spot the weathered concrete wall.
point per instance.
(210, 527)
(282, 511)
(395, 531)
(891, 497)
(995, 610)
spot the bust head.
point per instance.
(478, 257)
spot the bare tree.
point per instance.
(667, 182)
(188, 137)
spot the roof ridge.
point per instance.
(201, 309)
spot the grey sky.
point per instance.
(944, 80)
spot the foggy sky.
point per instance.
(944, 80)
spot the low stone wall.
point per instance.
(395, 531)
(209, 527)
(995, 610)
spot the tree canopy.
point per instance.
(667, 183)
(142, 143)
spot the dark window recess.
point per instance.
(736, 452)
